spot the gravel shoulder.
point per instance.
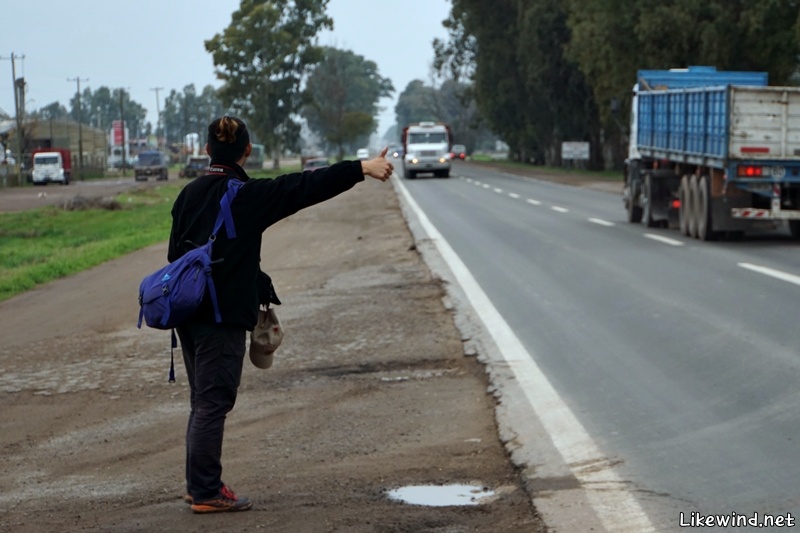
(370, 391)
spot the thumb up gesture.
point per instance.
(379, 168)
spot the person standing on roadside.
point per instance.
(214, 353)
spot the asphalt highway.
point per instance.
(678, 358)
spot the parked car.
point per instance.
(150, 163)
(316, 163)
(196, 165)
(458, 151)
(362, 153)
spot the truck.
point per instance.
(51, 165)
(151, 163)
(426, 148)
(713, 153)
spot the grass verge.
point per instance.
(40, 245)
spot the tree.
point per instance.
(342, 94)
(416, 103)
(189, 112)
(262, 58)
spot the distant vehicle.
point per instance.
(151, 163)
(256, 158)
(396, 151)
(51, 164)
(196, 165)
(316, 163)
(427, 149)
(458, 151)
(362, 153)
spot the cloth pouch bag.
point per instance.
(265, 338)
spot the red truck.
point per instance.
(51, 164)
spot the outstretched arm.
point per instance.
(378, 168)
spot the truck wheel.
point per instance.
(634, 210)
(694, 196)
(647, 202)
(683, 210)
(446, 173)
(705, 225)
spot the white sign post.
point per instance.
(574, 151)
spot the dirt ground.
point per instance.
(370, 391)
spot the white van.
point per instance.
(49, 166)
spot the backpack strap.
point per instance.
(225, 216)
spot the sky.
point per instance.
(148, 44)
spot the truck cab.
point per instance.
(151, 163)
(51, 165)
(426, 147)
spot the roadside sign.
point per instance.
(575, 150)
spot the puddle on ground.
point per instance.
(441, 495)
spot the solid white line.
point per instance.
(560, 209)
(608, 494)
(665, 240)
(533, 202)
(513, 195)
(601, 222)
(777, 274)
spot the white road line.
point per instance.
(560, 209)
(533, 202)
(498, 190)
(486, 186)
(665, 240)
(513, 195)
(777, 274)
(607, 493)
(601, 222)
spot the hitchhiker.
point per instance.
(213, 353)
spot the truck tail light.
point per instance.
(749, 171)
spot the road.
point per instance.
(678, 358)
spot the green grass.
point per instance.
(40, 245)
(614, 175)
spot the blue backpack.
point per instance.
(171, 294)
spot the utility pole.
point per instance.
(158, 115)
(80, 128)
(123, 144)
(19, 96)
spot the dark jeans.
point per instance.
(213, 355)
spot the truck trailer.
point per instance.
(713, 152)
(426, 148)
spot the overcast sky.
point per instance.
(144, 44)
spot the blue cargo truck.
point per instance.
(713, 153)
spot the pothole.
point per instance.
(441, 495)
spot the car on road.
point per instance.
(151, 163)
(396, 151)
(196, 165)
(316, 163)
(362, 153)
(458, 151)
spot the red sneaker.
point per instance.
(225, 501)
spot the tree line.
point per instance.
(546, 71)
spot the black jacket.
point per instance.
(258, 204)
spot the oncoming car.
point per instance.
(362, 153)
